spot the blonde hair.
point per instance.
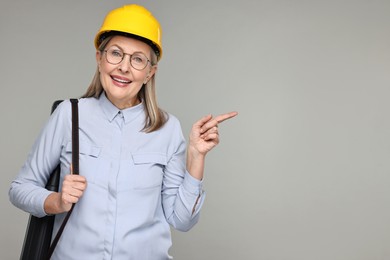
(155, 117)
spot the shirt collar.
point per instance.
(112, 111)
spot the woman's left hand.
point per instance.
(204, 134)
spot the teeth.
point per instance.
(121, 80)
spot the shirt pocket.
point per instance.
(88, 159)
(148, 169)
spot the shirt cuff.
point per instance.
(41, 198)
(195, 194)
(192, 185)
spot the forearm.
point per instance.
(182, 205)
(28, 197)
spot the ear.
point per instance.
(98, 57)
(151, 73)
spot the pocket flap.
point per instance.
(85, 149)
(144, 158)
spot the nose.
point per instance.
(124, 65)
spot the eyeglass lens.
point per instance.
(115, 56)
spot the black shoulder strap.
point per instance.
(75, 136)
(75, 167)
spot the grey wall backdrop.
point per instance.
(301, 174)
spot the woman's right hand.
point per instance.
(72, 190)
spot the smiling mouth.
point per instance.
(121, 80)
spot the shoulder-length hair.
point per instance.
(155, 117)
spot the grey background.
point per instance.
(302, 173)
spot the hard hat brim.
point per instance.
(103, 35)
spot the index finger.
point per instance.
(226, 116)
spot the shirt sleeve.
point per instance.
(27, 191)
(182, 194)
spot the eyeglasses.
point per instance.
(138, 60)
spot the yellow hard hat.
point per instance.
(135, 20)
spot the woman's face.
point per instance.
(121, 81)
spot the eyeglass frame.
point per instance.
(130, 55)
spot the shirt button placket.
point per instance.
(112, 185)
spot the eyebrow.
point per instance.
(119, 47)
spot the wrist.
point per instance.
(194, 153)
(52, 204)
(195, 163)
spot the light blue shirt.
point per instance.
(137, 183)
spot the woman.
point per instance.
(136, 175)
